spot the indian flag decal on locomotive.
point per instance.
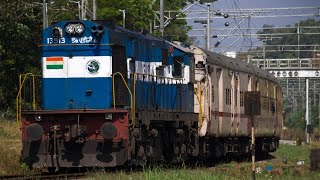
(54, 62)
(77, 67)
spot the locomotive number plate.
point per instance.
(252, 102)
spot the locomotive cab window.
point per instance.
(160, 71)
(132, 65)
(164, 57)
(177, 67)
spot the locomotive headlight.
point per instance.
(79, 28)
(100, 29)
(38, 117)
(57, 32)
(70, 28)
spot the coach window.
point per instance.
(236, 90)
(257, 85)
(218, 73)
(160, 71)
(267, 88)
(177, 66)
(249, 83)
(212, 92)
(241, 99)
(274, 91)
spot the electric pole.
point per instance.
(264, 54)
(307, 110)
(123, 17)
(94, 10)
(45, 14)
(298, 31)
(208, 28)
(161, 17)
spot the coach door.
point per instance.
(119, 64)
(214, 108)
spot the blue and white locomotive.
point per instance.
(112, 97)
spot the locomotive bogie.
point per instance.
(75, 138)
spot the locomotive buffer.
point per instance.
(252, 108)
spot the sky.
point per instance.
(221, 5)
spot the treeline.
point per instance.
(20, 29)
(306, 36)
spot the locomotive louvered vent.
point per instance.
(116, 38)
(135, 49)
(119, 64)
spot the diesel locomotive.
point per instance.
(114, 97)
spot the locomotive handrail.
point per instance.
(19, 98)
(131, 96)
(173, 78)
(177, 79)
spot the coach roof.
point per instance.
(237, 65)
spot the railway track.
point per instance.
(45, 176)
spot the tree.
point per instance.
(141, 13)
(20, 30)
(295, 117)
(314, 115)
(62, 10)
(305, 39)
(177, 29)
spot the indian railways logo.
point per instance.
(93, 66)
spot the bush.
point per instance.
(293, 134)
(316, 134)
(7, 114)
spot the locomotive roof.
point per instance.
(141, 35)
(237, 65)
(158, 41)
(180, 47)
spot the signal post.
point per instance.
(252, 108)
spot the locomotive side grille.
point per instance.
(119, 64)
(136, 49)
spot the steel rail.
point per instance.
(43, 176)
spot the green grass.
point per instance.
(292, 153)
(9, 130)
(233, 170)
(10, 148)
(164, 174)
